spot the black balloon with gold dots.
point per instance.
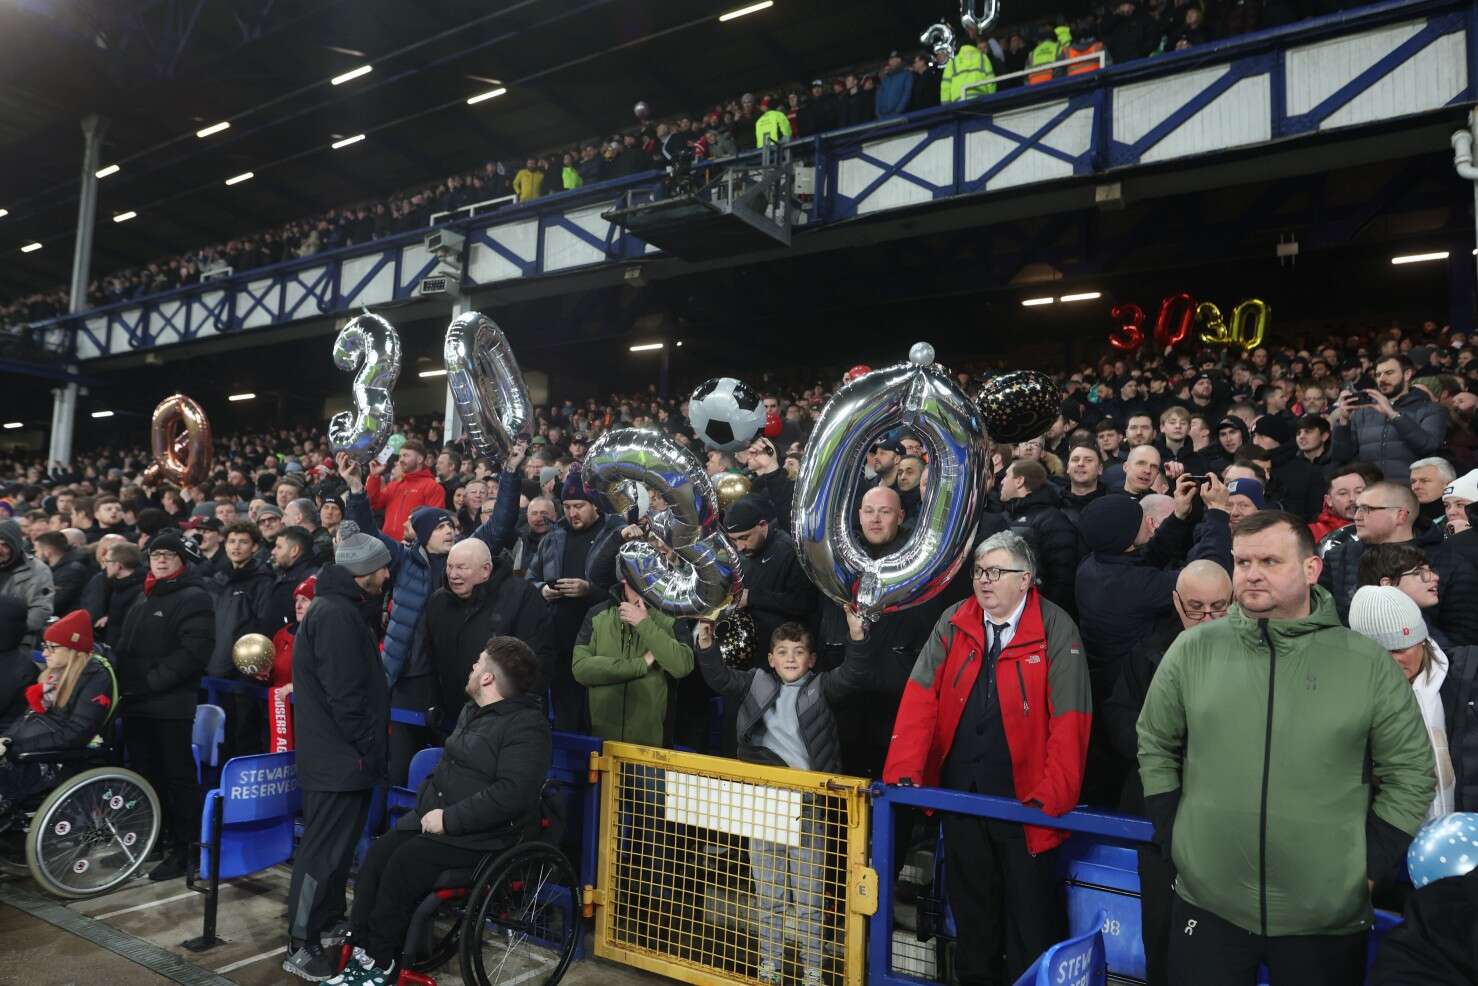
(735, 633)
(1019, 405)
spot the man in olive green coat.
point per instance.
(624, 655)
(1286, 767)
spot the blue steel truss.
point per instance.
(1366, 67)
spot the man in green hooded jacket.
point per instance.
(1286, 767)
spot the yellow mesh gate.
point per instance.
(716, 871)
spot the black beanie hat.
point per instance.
(1111, 523)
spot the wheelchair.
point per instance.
(96, 826)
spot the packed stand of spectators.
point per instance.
(905, 82)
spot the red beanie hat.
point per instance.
(307, 588)
(73, 630)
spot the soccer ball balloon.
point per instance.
(725, 414)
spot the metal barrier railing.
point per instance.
(214, 688)
(1101, 57)
(471, 208)
(883, 970)
(714, 871)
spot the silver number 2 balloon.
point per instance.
(368, 346)
(486, 384)
(919, 396)
(700, 575)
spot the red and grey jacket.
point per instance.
(1046, 706)
(398, 500)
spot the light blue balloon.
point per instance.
(1446, 846)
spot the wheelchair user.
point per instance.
(66, 706)
(482, 798)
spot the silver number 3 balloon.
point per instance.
(370, 347)
(920, 396)
(487, 386)
(700, 574)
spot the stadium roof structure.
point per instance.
(162, 71)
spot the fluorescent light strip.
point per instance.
(1418, 258)
(1085, 296)
(111, 169)
(647, 347)
(1034, 302)
(355, 73)
(346, 141)
(124, 217)
(241, 397)
(490, 94)
(244, 176)
(30, 248)
(753, 8)
(102, 414)
(13, 425)
(214, 128)
(431, 373)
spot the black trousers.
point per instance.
(1006, 902)
(1208, 951)
(1156, 876)
(246, 727)
(332, 823)
(160, 750)
(399, 870)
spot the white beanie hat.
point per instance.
(1465, 487)
(1388, 616)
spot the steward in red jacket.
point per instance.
(416, 487)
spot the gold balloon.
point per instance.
(253, 655)
(1250, 324)
(730, 486)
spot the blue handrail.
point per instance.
(214, 687)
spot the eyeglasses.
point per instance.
(993, 574)
(1423, 572)
(1197, 610)
(1367, 508)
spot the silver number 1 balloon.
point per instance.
(699, 575)
(486, 384)
(370, 347)
(920, 396)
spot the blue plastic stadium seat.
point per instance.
(1103, 892)
(257, 801)
(400, 800)
(206, 737)
(1076, 962)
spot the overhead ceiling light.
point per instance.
(6, 212)
(124, 217)
(679, 344)
(346, 141)
(30, 248)
(214, 128)
(647, 347)
(1084, 296)
(244, 176)
(431, 373)
(102, 414)
(491, 93)
(353, 73)
(1034, 302)
(1420, 258)
(13, 425)
(111, 169)
(241, 397)
(753, 8)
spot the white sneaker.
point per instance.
(769, 972)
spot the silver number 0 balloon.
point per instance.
(487, 386)
(701, 575)
(920, 396)
(368, 346)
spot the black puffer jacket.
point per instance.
(17, 668)
(1460, 708)
(488, 781)
(243, 598)
(778, 590)
(453, 631)
(1055, 540)
(68, 577)
(113, 598)
(1392, 444)
(163, 648)
(757, 689)
(341, 698)
(1457, 584)
(72, 725)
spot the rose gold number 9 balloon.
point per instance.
(180, 434)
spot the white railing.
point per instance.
(471, 208)
(1101, 57)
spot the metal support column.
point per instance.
(1463, 142)
(451, 428)
(64, 407)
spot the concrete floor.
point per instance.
(251, 922)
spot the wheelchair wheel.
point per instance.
(92, 832)
(444, 937)
(523, 919)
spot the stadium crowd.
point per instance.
(906, 81)
(1192, 536)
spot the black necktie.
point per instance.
(998, 631)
